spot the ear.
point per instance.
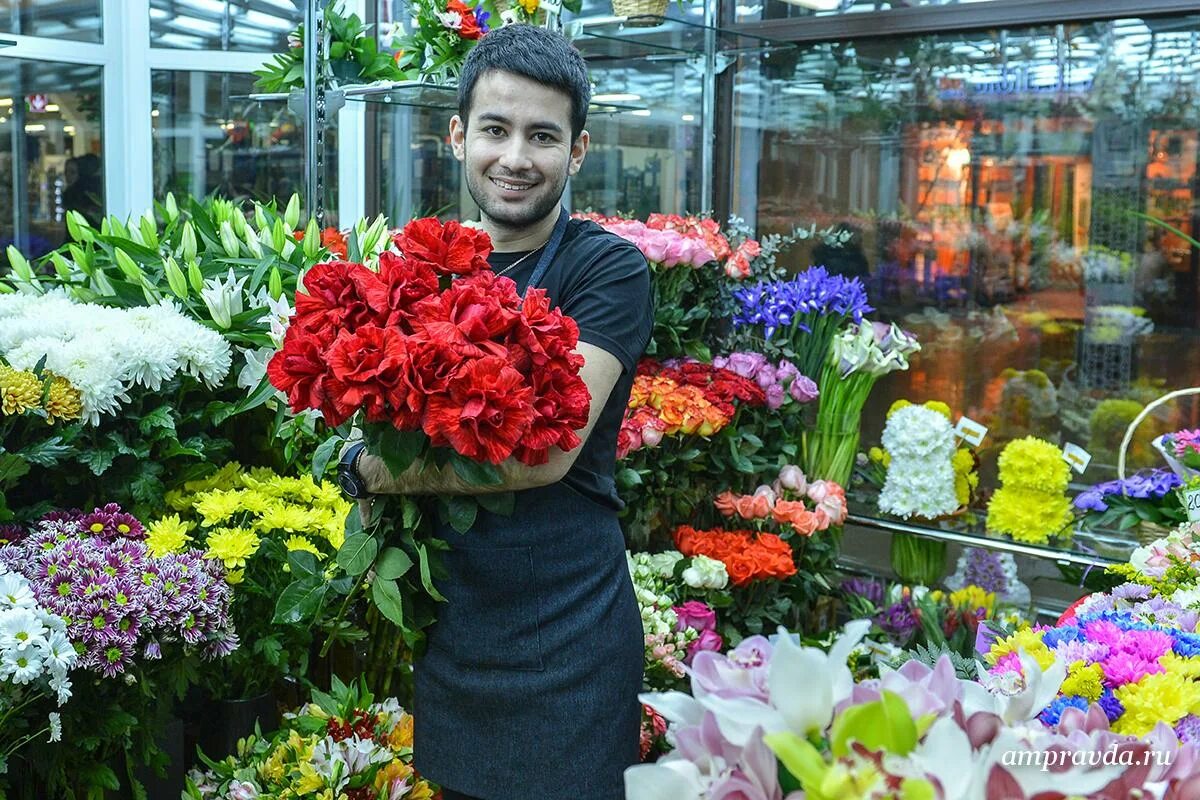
(578, 152)
(458, 137)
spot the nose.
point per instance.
(515, 157)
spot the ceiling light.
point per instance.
(688, 118)
(615, 98)
(69, 130)
(5, 101)
(154, 113)
(51, 108)
(35, 128)
(641, 112)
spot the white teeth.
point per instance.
(515, 187)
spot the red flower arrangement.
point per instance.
(434, 342)
(748, 556)
(687, 397)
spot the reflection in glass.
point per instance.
(754, 10)
(206, 142)
(1024, 200)
(51, 146)
(253, 25)
(72, 20)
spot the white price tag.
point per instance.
(1077, 457)
(970, 431)
(509, 17)
(1191, 502)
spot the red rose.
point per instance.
(472, 317)
(561, 403)
(484, 412)
(369, 370)
(298, 369)
(470, 26)
(450, 249)
(340, 295)
(545, 334)
(406, 282)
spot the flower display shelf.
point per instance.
(647, 36)
(1085, 548)
(415, 94)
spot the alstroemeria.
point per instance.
(224, 298)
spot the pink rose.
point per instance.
(707, 640)
(803, 390)
(818, 491)
(792, 477)
(651, 436)
(654, 248)
(766, 376)
(775, 396)
(696, 615)
(677, 251)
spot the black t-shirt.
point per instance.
(602, 282)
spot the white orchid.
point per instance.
(224, 298)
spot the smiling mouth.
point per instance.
(510, 186)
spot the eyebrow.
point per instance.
(491, 116)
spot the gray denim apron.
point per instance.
(528, 690)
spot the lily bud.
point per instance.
(291, 217)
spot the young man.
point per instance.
(529, 687)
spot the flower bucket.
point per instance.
(640, 13)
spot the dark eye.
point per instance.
(494, 130)
(544, 138)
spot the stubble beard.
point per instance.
(514, 218)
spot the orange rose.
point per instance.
(724, 503)
(797, 515)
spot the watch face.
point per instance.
(348, 484)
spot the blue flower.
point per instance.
(481, 18)
(1111, 705)
(1051, 715)
(1056, 636)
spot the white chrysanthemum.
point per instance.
(15, 591)
(60, 654)
(92, 367)
(21, 630)
(55, 723)
(920, 477)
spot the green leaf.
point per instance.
(499, 503)
(398, 449)
(98, 459)
(885, 724)
(45, 454)
(11, 468)
(323, 455)
(461, 511)
(392, 563)
(357, 553)
(161, 417)
(426, 578)
(303, 564)
(299, 601)
(475, 473)
(386, 596)
(410, 513)
(627, 478)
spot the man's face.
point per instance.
(516, 148)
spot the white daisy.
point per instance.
(55, 722)
(15, 591)
(21, 630)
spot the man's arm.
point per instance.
(600, 372)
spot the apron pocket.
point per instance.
(490, 618)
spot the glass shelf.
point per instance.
(646, 36)
(1084, 548)
(417, 94)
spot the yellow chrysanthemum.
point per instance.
(1187, 667)
(253, 501)
(300, 543)
(178, 500)
(280, 516)
(167, 535)
(329, 496)
(1028, 515)
(218, 506)
(20, 391)
(896, 406)
(232, 546)
(973, 597)
(63, 401)
(530, 6)
(880, 456)
(1164, 697)
(226, 478)
(1085, 680)
(334, 531)
(941, 408)
(1032, 463)
(1026, 639)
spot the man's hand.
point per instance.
(600, 372)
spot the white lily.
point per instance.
(224, 298)
(805, 685)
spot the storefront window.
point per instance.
(753, 10)
(73, 20)
(253, 25)
(1024, 200)
(206, 140)
(50, 151)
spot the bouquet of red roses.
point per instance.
(439, 362)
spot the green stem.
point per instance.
(337, 622)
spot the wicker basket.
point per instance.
(632, 9)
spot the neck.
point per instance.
(507, 239)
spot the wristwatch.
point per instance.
(348, 478)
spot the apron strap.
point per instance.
(551, 250)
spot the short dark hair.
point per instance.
(534, 53)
